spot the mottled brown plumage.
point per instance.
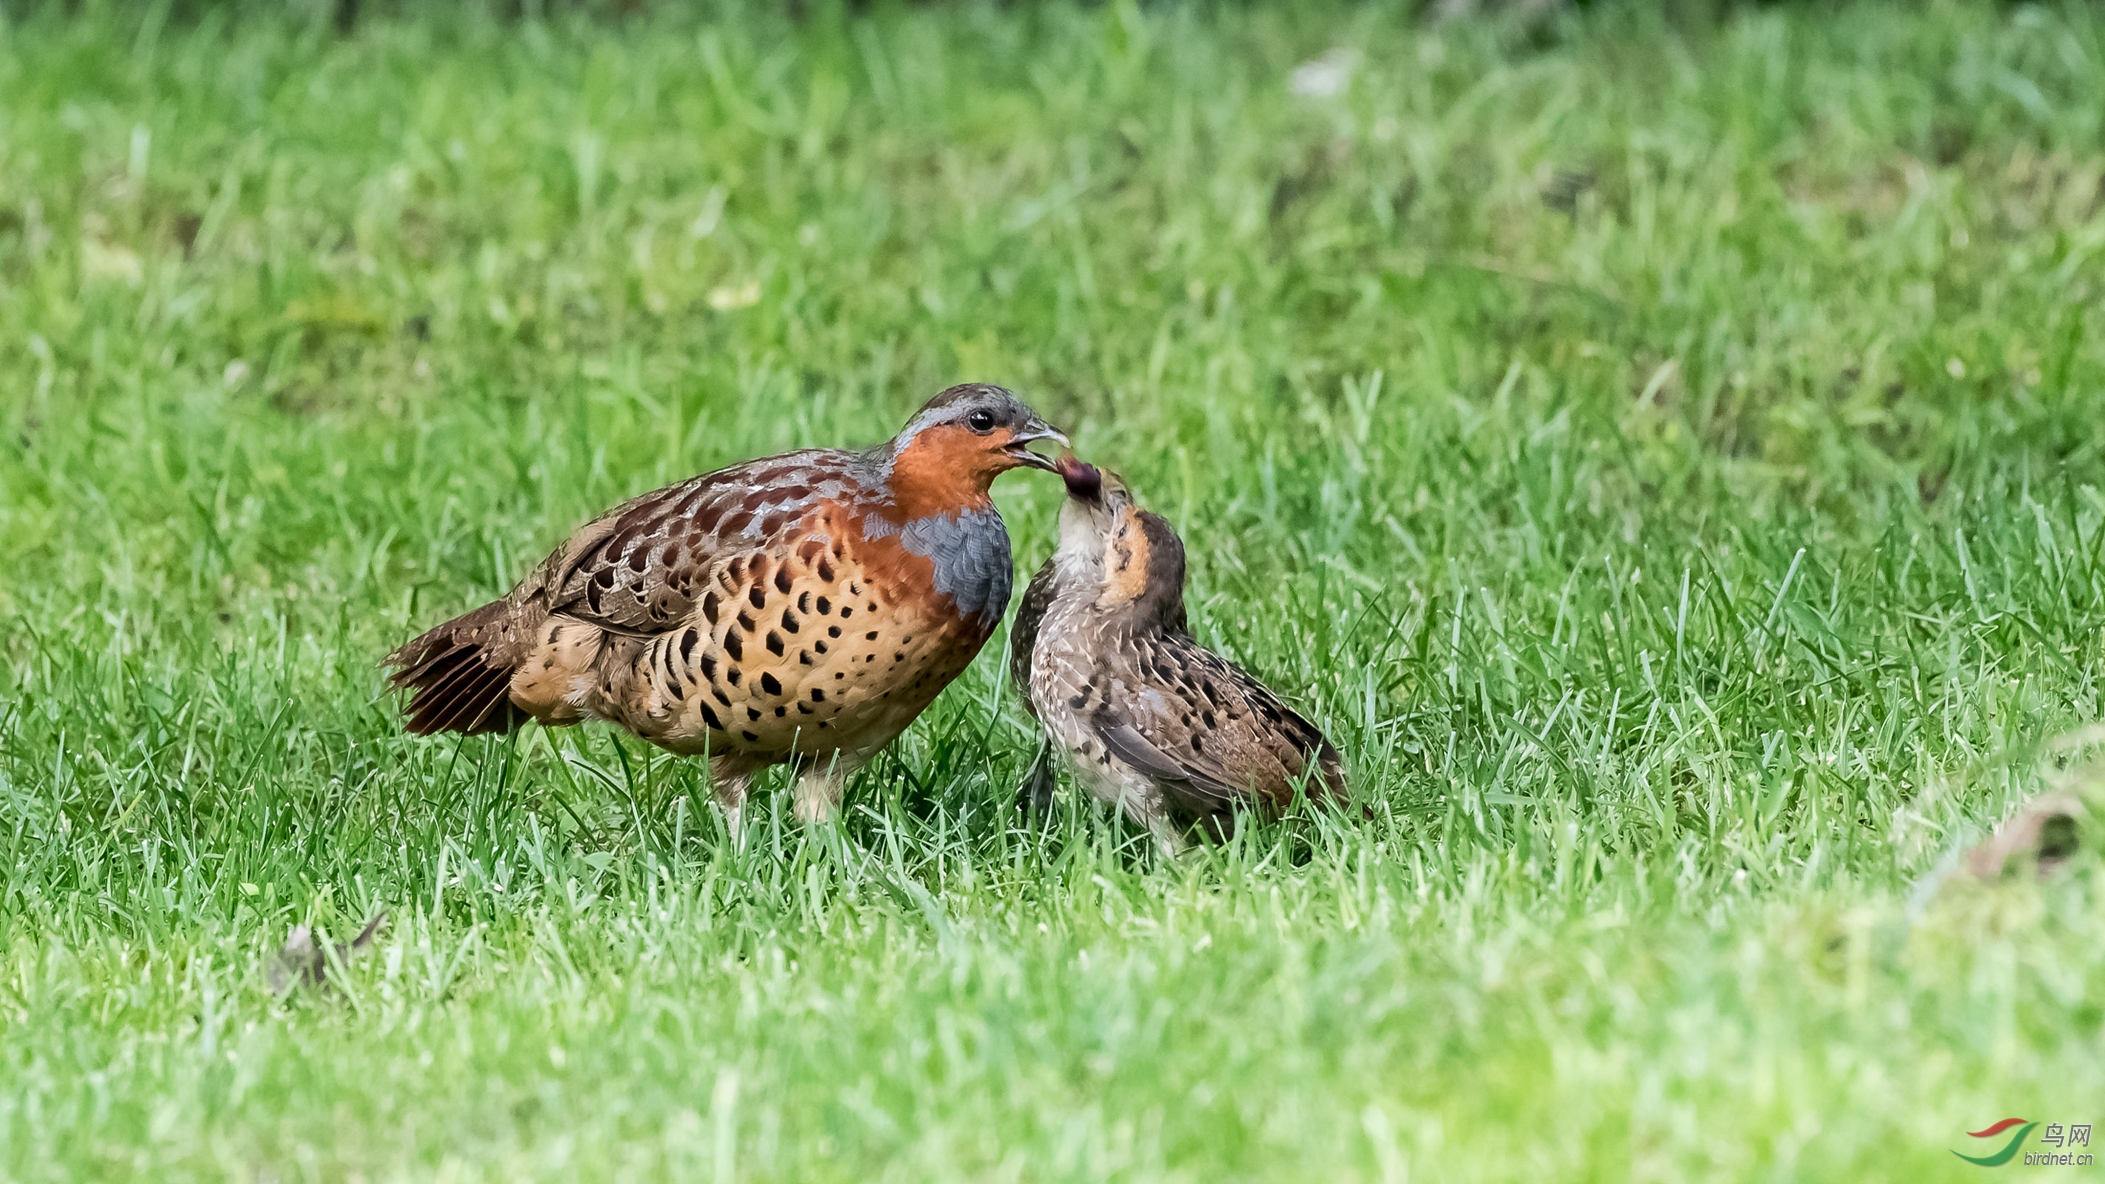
(797, 609)
(1151, 720)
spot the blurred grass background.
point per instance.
(1661, 446)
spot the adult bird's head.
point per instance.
(948, 454)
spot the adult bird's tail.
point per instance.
(459, 675)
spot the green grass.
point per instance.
(1684, 573)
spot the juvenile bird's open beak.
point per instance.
(1037, 429)
(1083, 479)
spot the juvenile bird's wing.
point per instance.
(1211, 735)
(640, 567)
(1023, 635)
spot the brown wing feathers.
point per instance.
(638, 573)
(1210, 734)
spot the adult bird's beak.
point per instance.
(1036, 429)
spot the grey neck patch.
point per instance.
(970, 552)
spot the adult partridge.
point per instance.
(799, 609)
(1153, 722)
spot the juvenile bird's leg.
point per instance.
(819, 788)
(1035, 795)
(1169, 838)
(1142, 801)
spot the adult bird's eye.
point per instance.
(980, 421)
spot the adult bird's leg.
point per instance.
(819, 788)
(728, 783)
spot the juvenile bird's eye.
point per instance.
(980, 421)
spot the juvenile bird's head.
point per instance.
(1130, 559)
(948, 454)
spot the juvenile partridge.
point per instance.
(1152, 721)
(799, 609)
